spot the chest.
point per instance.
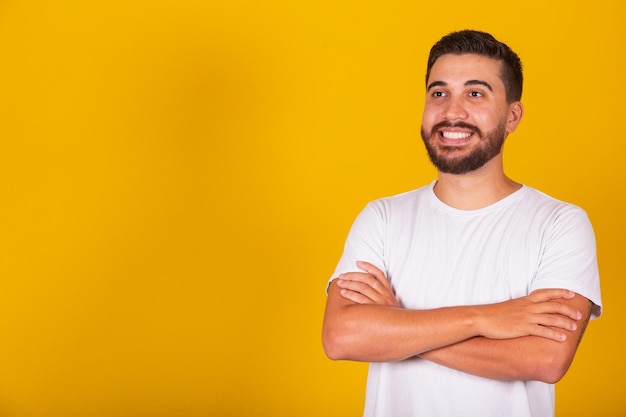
(438, 260)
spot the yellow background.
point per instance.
(177, 179)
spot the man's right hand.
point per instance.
(538, 314)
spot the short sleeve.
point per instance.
(569, 257)
(365, 241)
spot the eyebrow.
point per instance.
(436, 84)
(468, 82)
(479, 82)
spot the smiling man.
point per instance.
(468, 296)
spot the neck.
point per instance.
(476, 189)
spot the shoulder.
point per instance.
(393, 208)
(558, 221)
(406, 200)
(536, 202)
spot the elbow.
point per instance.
(551, 369)
(550, 376)
(333, 344)
(342, 340)
(331, 350)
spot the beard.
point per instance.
(444, 158)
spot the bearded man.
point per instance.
(468, 296)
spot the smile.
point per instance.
(456, 135)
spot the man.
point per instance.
(469, 296)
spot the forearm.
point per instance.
(523, 358)
(375, 333)
(360, 325)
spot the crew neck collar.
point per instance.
(500, 203)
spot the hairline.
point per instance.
(501, 70)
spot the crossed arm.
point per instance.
(529, 338)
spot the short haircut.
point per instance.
(482, 43)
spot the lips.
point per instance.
(458, 128)
(455, 135)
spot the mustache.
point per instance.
(462, 125)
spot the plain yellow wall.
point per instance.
(178, 178)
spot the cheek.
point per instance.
(429, 117)
(487, 120)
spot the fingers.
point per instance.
(548, 294)
(355, 296)
(356, 283)
(545, 313)
(548, 333)
(554, 327)
(547, 300)
(359, 281)
(373, 277)
(369, 287)
(559, 308)
(557, 321)
(374, 272)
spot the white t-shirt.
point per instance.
(437, 256)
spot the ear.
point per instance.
(516, 111)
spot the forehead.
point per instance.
(451, 69)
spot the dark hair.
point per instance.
(481, 43)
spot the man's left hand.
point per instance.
(369, 287)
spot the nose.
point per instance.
(455, 110)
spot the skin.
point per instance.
(529, 338)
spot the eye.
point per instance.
(439, 94)
(475, 94)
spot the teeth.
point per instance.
(456, 135)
